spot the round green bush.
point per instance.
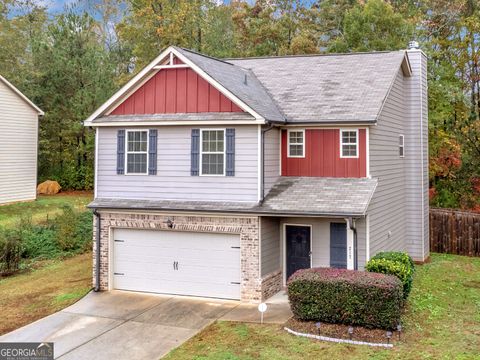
(395, 263)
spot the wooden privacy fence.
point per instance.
(454, 232)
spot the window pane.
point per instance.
(136, 163)
(296, 150)
(349, 150)
(137, 141)
(296, 137)
(212, 164)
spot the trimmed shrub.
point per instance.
(399, 264)
(10, 251)
(346, 297)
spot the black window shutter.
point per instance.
(121, 152)
(152, 152)
(195, 153)
(230, 152)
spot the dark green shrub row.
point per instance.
(346, 297)
(68, 233)
(395, 263)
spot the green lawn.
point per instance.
(45, 206)
(442, 321)
(40, 291)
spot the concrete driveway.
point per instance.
(122, 325)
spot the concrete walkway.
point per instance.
(124, 325)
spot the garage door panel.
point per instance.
(208, 263)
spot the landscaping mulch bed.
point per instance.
(341, 331)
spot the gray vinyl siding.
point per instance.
(18, 147)
(173, 180)
(270, 245)
(360, 225)
(271, 158)
(387, 208)
(398, 212)
(417, 206)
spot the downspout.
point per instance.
(270, 127)
(351, 222)
(97, 251)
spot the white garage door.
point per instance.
(173, 262)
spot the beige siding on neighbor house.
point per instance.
(173, 180)
(18, 147)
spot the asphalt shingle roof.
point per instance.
(313, 196)
(327, 88)
(317, 196)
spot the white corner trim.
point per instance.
(95, 173)
(350, 247)
(367, 146)
(259, 163)
(21, 95)
(367, 238)
(170, 51)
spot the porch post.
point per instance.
(350, 247)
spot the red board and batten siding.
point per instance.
(177, 90)
(322, 156)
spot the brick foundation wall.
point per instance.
(271, 284)
(247, 227)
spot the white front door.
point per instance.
(174, 262)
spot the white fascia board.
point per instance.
(136, 82)
(20, 94)
(173, 123)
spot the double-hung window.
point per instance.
(137, 152)
(349, 143)
(212, 152)
(296, 143)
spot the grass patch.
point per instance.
(45, 207)
(442, 321)
(48, 287)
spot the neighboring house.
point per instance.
(220, 178)
(18, 145)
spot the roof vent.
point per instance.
(245, 79)
(413, 45)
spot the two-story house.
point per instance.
(220, 178)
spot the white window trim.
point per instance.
(288, 143)
(136, 152)
(224, 151)
(402, 146)
(341, 144)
